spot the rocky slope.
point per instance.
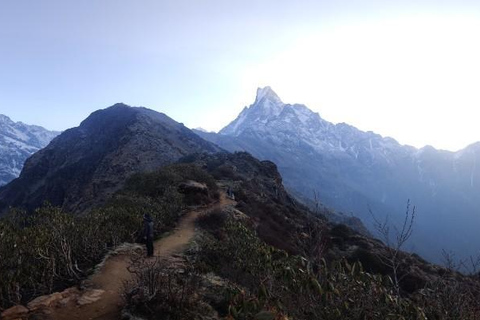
(85, 165)
(355, 171)
(18, 141)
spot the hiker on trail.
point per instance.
(230, 193)
(148, 233)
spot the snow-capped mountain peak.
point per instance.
(267, 106)
(5, 120)
(200, 129)
(354, 170)
(267, 94)
(18, 141)
(287, 124)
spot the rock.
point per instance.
(70, 292)
(41, 314)
(126, 315)
(43, 302)
(16, 312)
(90, 296)
(192, 187)
(236, 214)
(44, 314)
(215, 290)
(67, 296)
(64, 302)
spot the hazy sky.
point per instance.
(406, 69)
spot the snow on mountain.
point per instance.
(200, 129)
(85, 165)
(267, 105)
(18, 141)
(356, 171)
(290, 123)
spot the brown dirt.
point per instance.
(113, 274)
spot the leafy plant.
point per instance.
(50, 249)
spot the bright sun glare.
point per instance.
(402, 71)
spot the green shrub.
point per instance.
(273, 283)
(51, 249)
(213, 221)
(160, 291)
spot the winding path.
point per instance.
(113, 274)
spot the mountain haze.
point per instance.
(86, 164)
(355, 171)
(18, 141)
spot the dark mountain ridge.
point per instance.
(87, 164)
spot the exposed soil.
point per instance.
(113, 273)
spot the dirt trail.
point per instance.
(114, 273)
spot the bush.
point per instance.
(49, 249)
(273, 283)
(370, 261)
(160, 291)
(213, 221)
(156, 184)
(341, 231)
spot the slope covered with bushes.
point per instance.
(283, 261)
(51, 249)
(266, 257)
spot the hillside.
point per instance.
(354, 172)
(265, 256)
(85, 165)
(18, 141)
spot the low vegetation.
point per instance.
(49, 249)
(267, 258)
(160, 290)
(273, 284)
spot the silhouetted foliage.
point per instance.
(274, 284)
(51, 249)
(162, 291)
(213, 221)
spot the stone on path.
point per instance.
(90, 297)
(16, 312)
(44, 302)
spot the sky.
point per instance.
(405, 69)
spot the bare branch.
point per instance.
(390, 257)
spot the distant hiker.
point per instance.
(148, 233)
(230, 193)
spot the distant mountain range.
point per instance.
(264, 239)
(85, 165)
(18, 141)
(352, 171)
(357, 172)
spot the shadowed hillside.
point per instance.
(87, 164)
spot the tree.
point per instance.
(395, 243)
